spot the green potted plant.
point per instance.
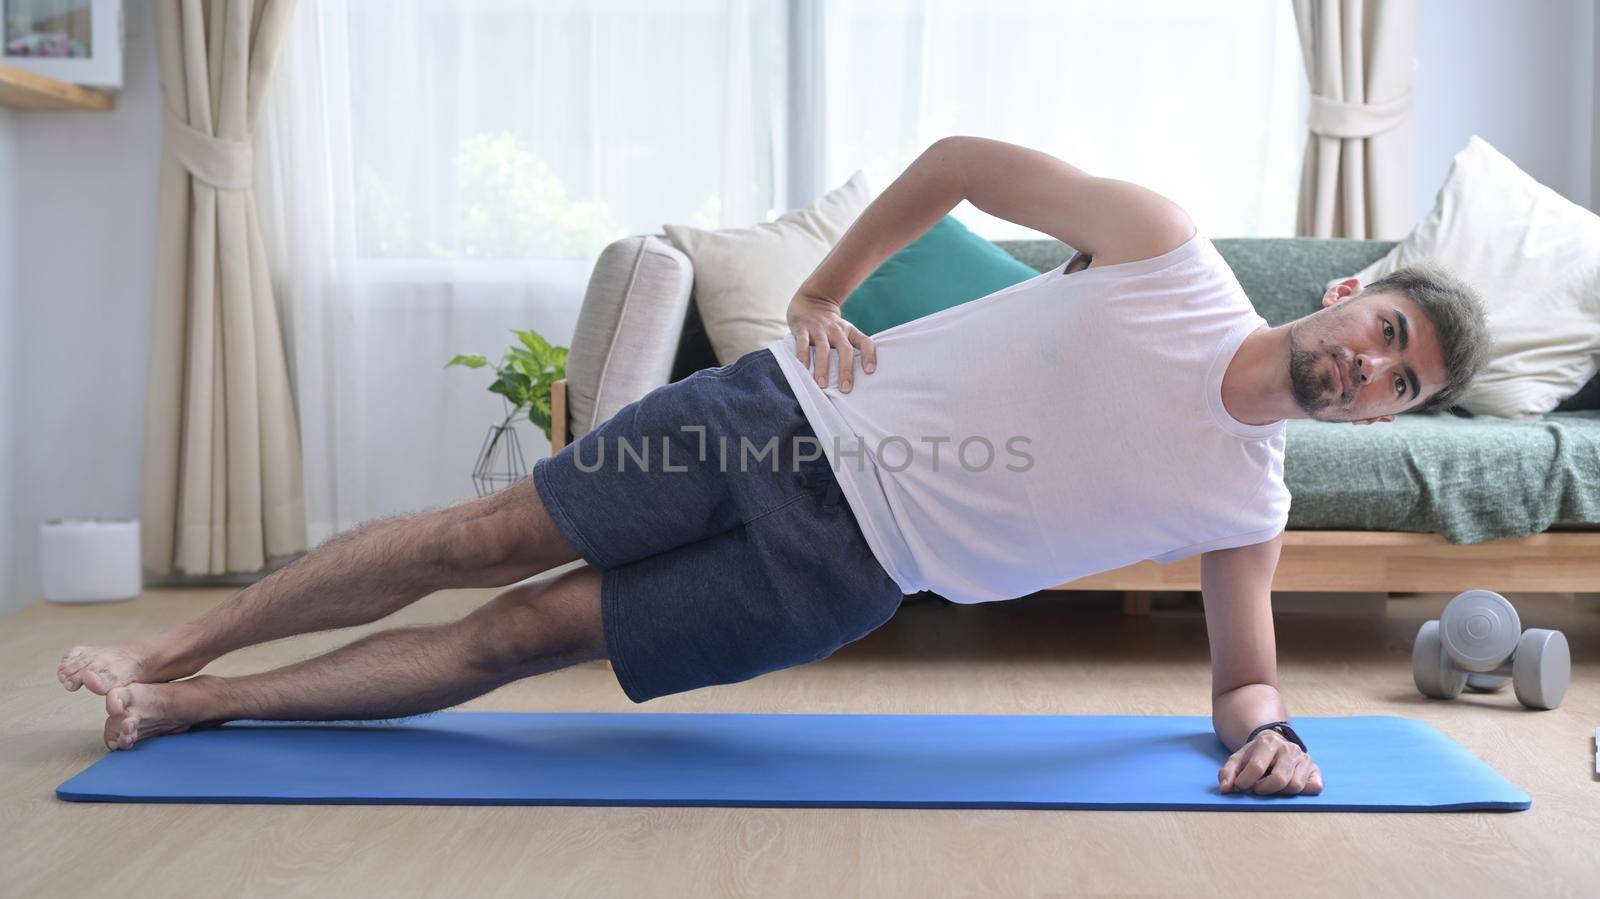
(524, 379)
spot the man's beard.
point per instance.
(1306, 381)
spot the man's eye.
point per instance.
(1388, 331)
(1399, 385)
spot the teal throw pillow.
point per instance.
(945, 267)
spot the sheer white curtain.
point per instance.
(436, 174)
(1203, 102)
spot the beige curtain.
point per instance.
(222, 488)
(1356, 179)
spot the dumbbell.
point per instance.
(1478, 642)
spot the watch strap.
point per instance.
(1282, 727)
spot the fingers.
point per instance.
(867, 348)
(1302, 773)
(1230, 771)
(1304, 776)
(822, 344)
(1254, 761)
(853, 346)
(847, 358)
(1266, 769)
(1279, 769)
(1286, 775)
(815, 343)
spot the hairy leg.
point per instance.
(526, 630)
(355, 578)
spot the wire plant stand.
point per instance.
(500, 460)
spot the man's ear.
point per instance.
(1343, 290)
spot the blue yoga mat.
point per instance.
(1379, 763)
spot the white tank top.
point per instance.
(1098, 394)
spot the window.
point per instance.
(493, 129)
(498, 129)
(1204, 103)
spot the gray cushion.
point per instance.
(1467, 479)
(627, 331)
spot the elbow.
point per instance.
(952, 145)
(1252, 686)
(948, 160)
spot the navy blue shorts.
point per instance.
(725, 546)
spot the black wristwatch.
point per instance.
(1283, 728)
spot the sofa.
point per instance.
(1431, 502)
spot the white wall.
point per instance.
(85, 211)
(1520, 75)
(10, 597)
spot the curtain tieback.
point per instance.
(1332, 118)
(221, 163)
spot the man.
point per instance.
(1127, 405)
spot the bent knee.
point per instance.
(503, 538)
(545, 623)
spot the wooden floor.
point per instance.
(1051, 654)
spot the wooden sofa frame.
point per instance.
(1340, 561)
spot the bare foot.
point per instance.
(139, 711)
(142, 660)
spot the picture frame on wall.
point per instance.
(76, 41)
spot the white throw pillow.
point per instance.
(744, 278)
(1534, 257)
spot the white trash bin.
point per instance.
(90, 560)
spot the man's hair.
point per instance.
(1458, 317)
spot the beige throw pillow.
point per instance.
(744, 278)
(1534, 257)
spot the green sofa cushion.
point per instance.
(945, 267)
(1465, 478)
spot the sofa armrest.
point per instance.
(628, 329)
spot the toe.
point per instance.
(120, 720)
(71, 664)
(95, 679)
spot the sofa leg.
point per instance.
(558, 415)
(1136, 602)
